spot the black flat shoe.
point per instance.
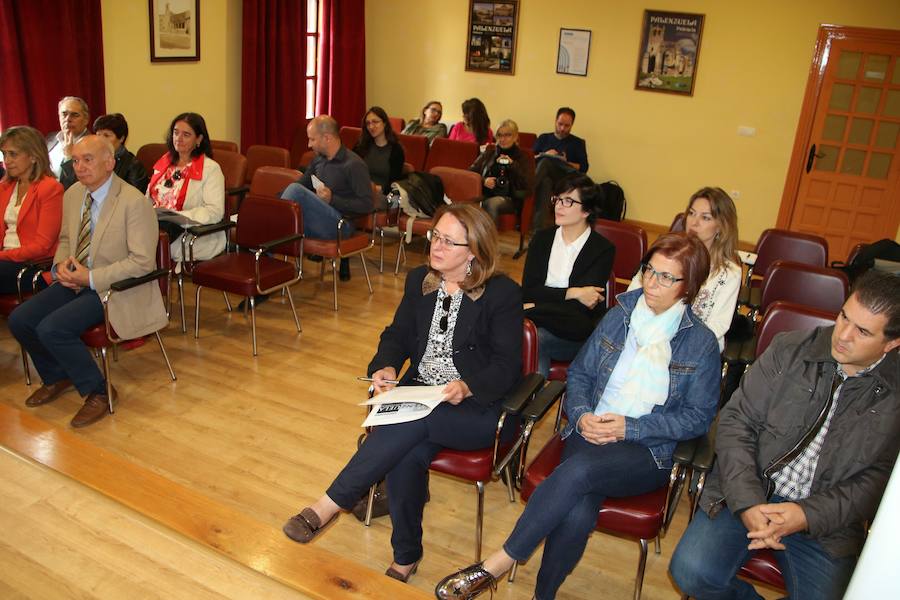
(466, 583)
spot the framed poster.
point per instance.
(574, 51)
(492, 31)
(174, 30)
(669, 51)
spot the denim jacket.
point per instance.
(694, 376)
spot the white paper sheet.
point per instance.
(403, 404)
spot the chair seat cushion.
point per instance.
(236, 273)
(558, 370)
(329, 248)
(95, 337)
(762, 566)
(472, 465)
(420, 226)
(634, 516)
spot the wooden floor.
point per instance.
(184, 490)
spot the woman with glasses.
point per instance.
(711, 216)
(382, 153)
(429, 123)
(565, 273)
(505, 176)
(459, 325)
(647, 378)
(188, 185)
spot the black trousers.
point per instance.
(402, 453)
(8, 272)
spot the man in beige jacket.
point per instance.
(109, 233)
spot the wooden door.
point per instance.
(844, 179)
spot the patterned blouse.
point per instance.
(167, 189)
(436, 366)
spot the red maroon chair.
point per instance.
(816, 287)
(103, 336)
(775, 244)
(460, 185)
(631, 245)
(9, 302)
(265, 226)
(527, 140)
(397, 124)
(148, 154)
(677, 223)
(481, 466)
(223, 145)
(349, 136)
(445, 152)
(415, 149)
(259, 155)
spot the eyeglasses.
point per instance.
(446, 316)
(566, 201)
(437, 239)
(170, 181)
(664, 279)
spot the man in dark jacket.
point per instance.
(804, 450)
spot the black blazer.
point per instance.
(487, 340)
(568, 319)
(128, 168)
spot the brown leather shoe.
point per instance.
(48, 393)
(466, 583)
(96, 406)
(306, 525)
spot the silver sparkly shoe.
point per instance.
(466, 583)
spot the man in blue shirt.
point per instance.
(558, 154)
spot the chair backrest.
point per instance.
(797, 247)
(148, 154)
(445, 152)
(397, 124)
(299, 144)
(264, 219)
(527, 140)
(610, 291)
(529, 348)
(459, 185)
(415, 147)
(677, 223)
(261, 156)
(631, 245)
(234, 167)
(816, 287)
(788, 316)
(269, 182)
(223, 145)
(349, 136)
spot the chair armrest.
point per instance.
(543, 400)
(40, 263)
(237, 191)
(513, 403)
(201, 230)
(684, 451)
(127, 284)
(705, 453)
(267, 246)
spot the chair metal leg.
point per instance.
(479, 519)
(105, 357)
(656, 544)
(399, 253)
(695, 498)
(366, 272)
(115, 352)
(180, 281)
(293, 309)
(381, 253)
(334, 280)
(642, 564)
(509, 483)
(370, 505)
(197, 313)
(227, 301)
(162, 349)
(25, 366)
(252, 303)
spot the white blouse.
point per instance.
(562, 258)
(11, 239)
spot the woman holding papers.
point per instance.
(460, 326)
(187, 186)
(647, 378)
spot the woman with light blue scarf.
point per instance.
(647, 378)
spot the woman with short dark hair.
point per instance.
(190, 186)
(647, 378)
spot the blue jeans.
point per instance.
(711, 552)
(563, 509)
(551, 347)
(320, 219)
(49, 327)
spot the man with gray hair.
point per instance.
(804, 450)
(73, 124)
(335, 184)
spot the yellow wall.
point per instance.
(151, 94)
(753, 65)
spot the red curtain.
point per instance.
(49, 49)
(342, 46)
(273, 71)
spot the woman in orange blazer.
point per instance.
(30, 206)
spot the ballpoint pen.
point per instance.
(391, 381)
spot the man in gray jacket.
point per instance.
(804, 450)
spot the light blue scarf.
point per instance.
(647, 382)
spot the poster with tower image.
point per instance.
(669, 51)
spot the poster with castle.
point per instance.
(669, 50)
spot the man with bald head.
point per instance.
(336, 183)
(109, 233)
(73, 125)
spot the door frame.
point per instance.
(827, 34)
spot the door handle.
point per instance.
(813, 154)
